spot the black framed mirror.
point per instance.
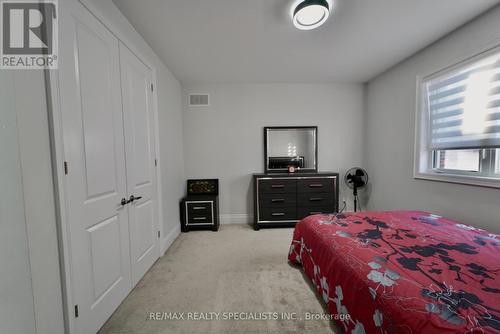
(286, 146)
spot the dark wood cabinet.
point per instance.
(285, 199)
(199, 212)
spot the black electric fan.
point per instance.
(356, 178)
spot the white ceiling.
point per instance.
(214, 41)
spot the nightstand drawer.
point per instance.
(205, 220)
(278, 214)
(309, 211)
(316, 199)
(316, 185)
(277, 200)
(199, 208)
(277, 186)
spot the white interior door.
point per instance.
(140, 157)
(91, 110)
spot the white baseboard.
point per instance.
(169, 239)
(236, 218)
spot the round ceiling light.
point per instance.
(310, 14)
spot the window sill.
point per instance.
(479, 181)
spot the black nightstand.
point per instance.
(199, 212)
(200, 209)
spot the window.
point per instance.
(458, 123)
(458, 160)
(475, 162)
(497, 164)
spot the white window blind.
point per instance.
(463, 106)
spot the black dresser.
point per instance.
(284, 199)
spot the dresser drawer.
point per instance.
(278, 200)
(309, 211)
(316, 185)
(310, 199)
(277, 186)
(277, 214)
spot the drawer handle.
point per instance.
(315, 213)
(316, 185)
(200, 218)
(315, 199)
(277, 200)
(279, 186)
(199, 208)
(278, 214)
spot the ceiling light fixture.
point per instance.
(310, 14)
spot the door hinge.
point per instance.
(156, 163)
(66, 168)
(158, 234)
(76, 311)
(152, 88)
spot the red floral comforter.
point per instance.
(402, 272)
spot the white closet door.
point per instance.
(140, 157)
(90, 97)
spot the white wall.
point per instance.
(30, 287)
(169, 113)
(16, 293)
(172, 154)
(38, 189)
(225, 140)
(390, 128)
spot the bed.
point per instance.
(402, 272)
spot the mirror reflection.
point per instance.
(291, 146)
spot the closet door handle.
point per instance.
(124, 201)
(133, 198)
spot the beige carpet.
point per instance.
(236, 271)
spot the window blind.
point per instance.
(464, 106)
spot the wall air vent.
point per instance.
(199, 100)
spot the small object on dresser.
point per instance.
(291, 169)
(200, 208)
(203, 187)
